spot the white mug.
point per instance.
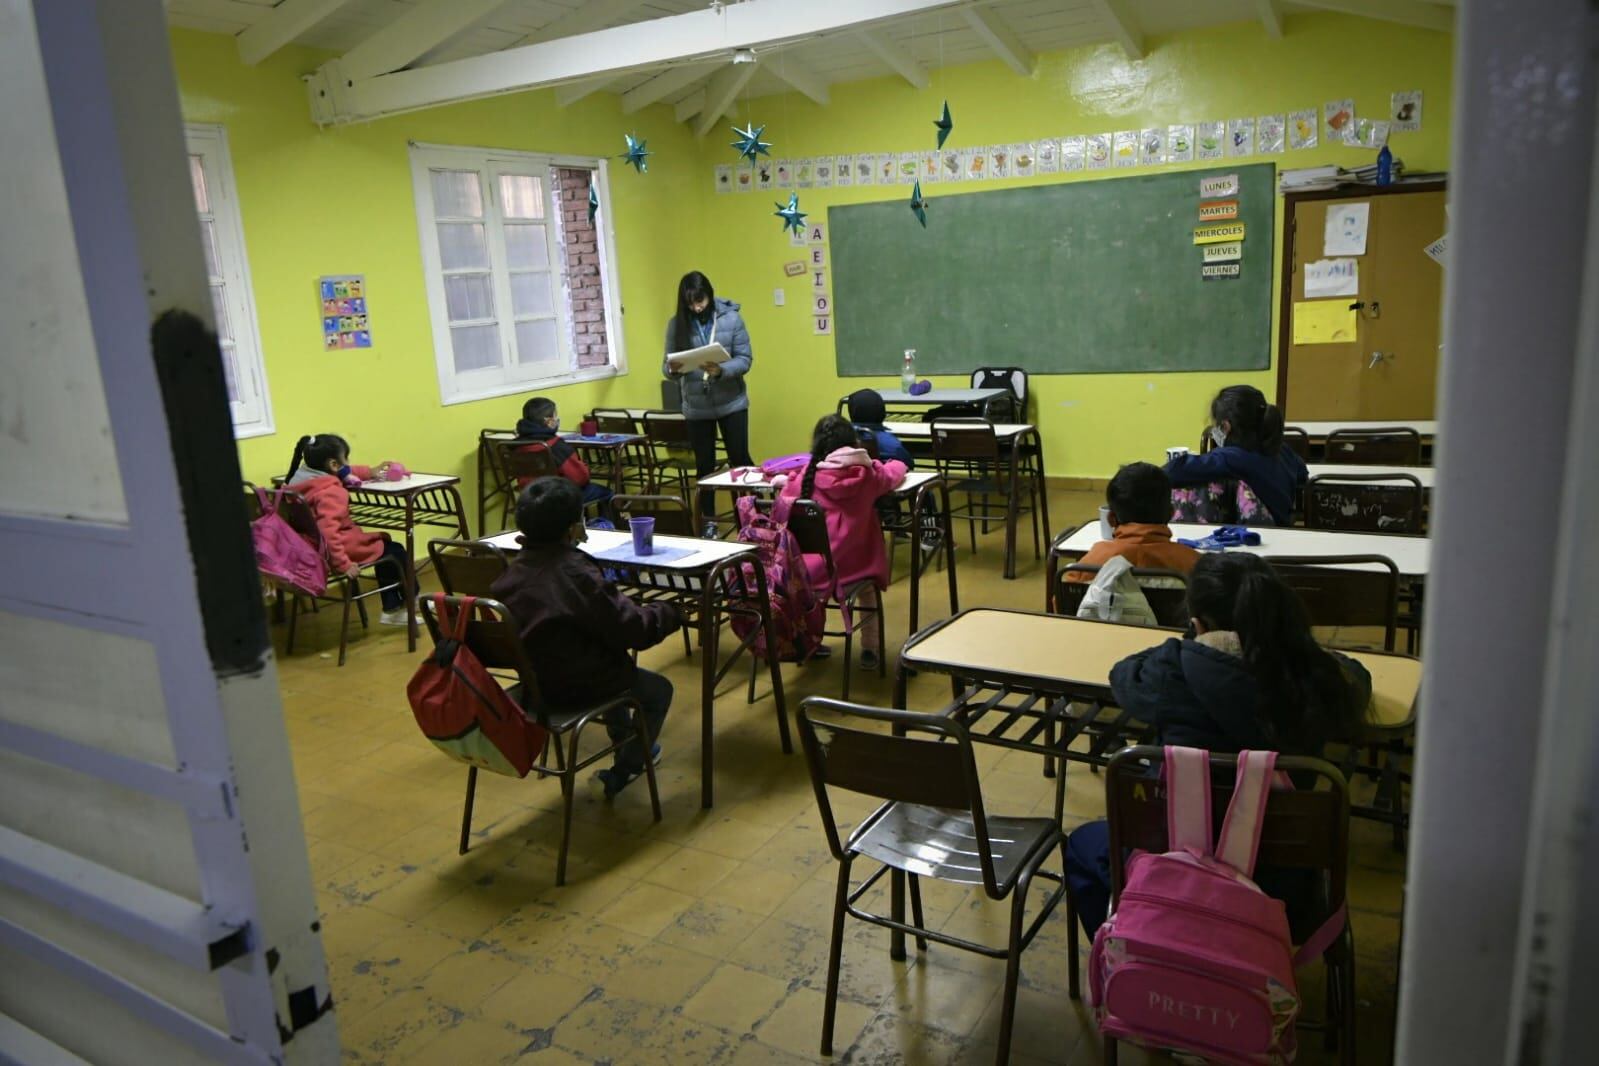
(1105, 530)
(1172, 453)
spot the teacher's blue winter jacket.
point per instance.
(1272, 478)
(714, 397)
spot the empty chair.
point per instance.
(967, 456)
(809, 526)
(671, 450)
(1369, 503)
(673, 517)
(1298, 441)
(1012, 408)
(1399, 445)
(466, 567)
(1335, 593)
(634, 470)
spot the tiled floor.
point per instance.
(701, 939)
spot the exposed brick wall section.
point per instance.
(582, 281)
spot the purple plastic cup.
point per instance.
(643, 530)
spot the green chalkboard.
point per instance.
(1087, 276)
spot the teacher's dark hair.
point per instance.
(692, 288)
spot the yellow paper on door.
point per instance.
(1324, 322)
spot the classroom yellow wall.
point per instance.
(1091, 422)
(340, 201)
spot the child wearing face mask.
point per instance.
(541, 423)
(1248, 436)
(321, 473)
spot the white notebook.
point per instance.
(698, 358)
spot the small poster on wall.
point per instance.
(344, 315)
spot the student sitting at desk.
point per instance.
(1139, 497)
(1248, 434)
(578, 628)
(541, 423)
(869, 415)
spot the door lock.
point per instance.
(1377, 358)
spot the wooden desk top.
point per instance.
(724, 480)
(410, 483)
(706, 553)
(924, 430)
(1412, 555)
(937, 396)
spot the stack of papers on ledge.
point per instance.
(1311, 179)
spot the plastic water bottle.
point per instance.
(1385, 166)
(907, 371)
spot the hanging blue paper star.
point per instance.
(594, 201)
(919, 205)
(793, 218)
(635, 153)
(944, 124)
(749, 143)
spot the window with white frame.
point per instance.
(520, 282)
(228, 272)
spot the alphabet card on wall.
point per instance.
(344, 314)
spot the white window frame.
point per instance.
(510, 376)
(252, 412)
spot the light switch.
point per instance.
(778, 297)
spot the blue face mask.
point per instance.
(343, 472)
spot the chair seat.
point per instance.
(560, 719)
(938, 843)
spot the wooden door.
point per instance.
(1390, 369)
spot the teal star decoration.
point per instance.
(635, 153)
(594, 201)
(749, 143)
(944, 124)
(919, 205)
(793, 218)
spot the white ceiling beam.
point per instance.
(282, 25)
(998, 36)
(587, 16)
(799, 76)
(1271, 17)
(689, 106)
(1404, 12)
(1118, 19)
(567, 95)
(661, 86)
(712, 33)
(720, 92)
(899, 61)
(409, 35)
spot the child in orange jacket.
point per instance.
(319, 472)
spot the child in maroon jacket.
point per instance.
(540, 424)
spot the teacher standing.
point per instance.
(714, 397)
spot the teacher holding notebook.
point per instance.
(708, 354)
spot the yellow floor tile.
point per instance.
(736, 999)
(796, 1025)
(645, 909)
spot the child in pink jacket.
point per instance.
(846, 483)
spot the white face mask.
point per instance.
(1218, 436)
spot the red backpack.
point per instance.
(799, 613)
(461, 708)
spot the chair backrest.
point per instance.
(1370, 503)
(1334, 595)
(614, 420)
(466, 567)
(1298, 441)
(808, 523)
(673, 517)
(1303, 828)
(493, 637)
(667, 428)
(869, 442)
(1010, 377)
(671, 395)
(1394, 444)
(1166, 591)
(527, 460)
(293, 509)
(929, 765)
(964, 440)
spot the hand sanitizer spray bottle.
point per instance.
(907, 371)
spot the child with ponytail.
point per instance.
(321, 473)
(846, 484)
(1248, 434)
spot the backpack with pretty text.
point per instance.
(798, 612)
(461, 708)
(1196, 959)
(282, 554)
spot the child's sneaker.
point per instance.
(613, 780)
(397, 617)
(869, 659)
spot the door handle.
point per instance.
(1377, 358)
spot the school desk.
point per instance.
(1318, 432)
(1039, 682)
(711, 579)
(1411, 555)
(935, 397)
(917, 487)
(414, 500)
(607, 449)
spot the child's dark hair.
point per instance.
(538, 409)
(866, 406)
(547, 508)
(1305, 699)
(1252, 422)
(315, 452)
(1140, 492)
(693, 287)
(831, 433)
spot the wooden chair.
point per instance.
(1333, 594)
(932, 823)
(1396, 446)
(1166, 591)
(1303, 829)
(466, 567)
(966, 454)
(635, 470)
(809, 526)
(524, 462)
(1298, 441)
(493, 637)
(1369, 503)
(1012, 408)
(671, 451)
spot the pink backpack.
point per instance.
(799, 613)
(786, 464)
(282, 554)
(1196, 958)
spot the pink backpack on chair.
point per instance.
(1195, 958)
(799, 612)
(282, 554)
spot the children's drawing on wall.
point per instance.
(1302, 129)
(1211, 139)
(1405, 111)
(1241, 137)
(1269, 133)
(1180, 144)
(1335, 116)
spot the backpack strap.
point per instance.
(1246, 814)
(1317, 943)
(1188, 799)
(781, 506)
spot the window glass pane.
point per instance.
(525, 247)
(462, 247)
(457, 193)
(530, 294)
(230, 371)
(476, 347)
(535, 341)
(208, 240)
(469, 296)
(202, 198)
(219, 305)
(522, 195)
